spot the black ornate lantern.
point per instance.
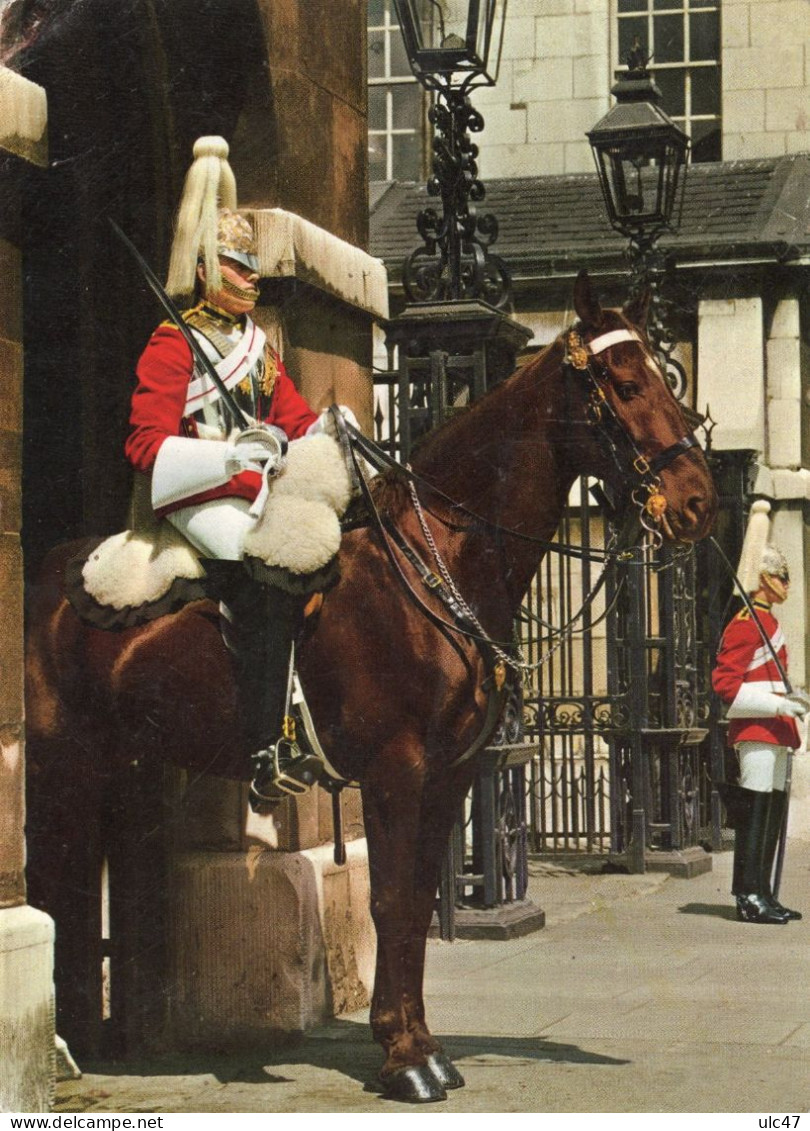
(454, 46)
(453, 42)
(640, 156)
(641, 160)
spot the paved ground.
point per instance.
(642, 994)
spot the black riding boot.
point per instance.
(260, 625)
(776, 815)
(753, 905)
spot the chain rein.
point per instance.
(519, 663)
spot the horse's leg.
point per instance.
(441, 806)
(392, 800)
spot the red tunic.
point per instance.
(158, 403)
(744, 658)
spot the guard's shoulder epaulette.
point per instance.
(192, 313)
(186, 315)
(743, 614)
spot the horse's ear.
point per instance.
(586, 303)
(637, 308)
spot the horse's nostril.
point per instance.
(697, 510)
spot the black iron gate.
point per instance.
(628, 736)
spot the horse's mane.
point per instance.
(445, 434)
(473, 426)
(457, 435)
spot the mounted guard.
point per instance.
(241, 467)
(397, 688)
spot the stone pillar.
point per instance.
(784, 386)
(323, 297)
(784, 454)
(26, 935)
(265, 892)
(731, 373)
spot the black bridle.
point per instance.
(579, 357)
(638, 473)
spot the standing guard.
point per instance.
(762, 715)
(212, 476)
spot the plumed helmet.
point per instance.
(774, 564)
(236, 238)
(208, 224)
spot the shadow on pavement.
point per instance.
(344, 1046)
(523, 1048)
(718, 910)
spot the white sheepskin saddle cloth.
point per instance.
(137, 567)
(152, 569)
(297, 534)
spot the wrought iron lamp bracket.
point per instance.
(649, 265)
(456, 262)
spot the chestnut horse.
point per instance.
(397, 695)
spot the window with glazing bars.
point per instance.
(683, 38)
(395, 101)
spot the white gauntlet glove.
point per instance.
(757, 702)
(796, 704)
(260, 448)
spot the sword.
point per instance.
(174, 314)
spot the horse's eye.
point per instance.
(627, 390)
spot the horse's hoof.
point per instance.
(415, 1085)
(445, 1071)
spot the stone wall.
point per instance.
(26, 935)
(554, 84)
(557, 70)
(766, 78)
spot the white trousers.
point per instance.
(217, 529)
(763, 766)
